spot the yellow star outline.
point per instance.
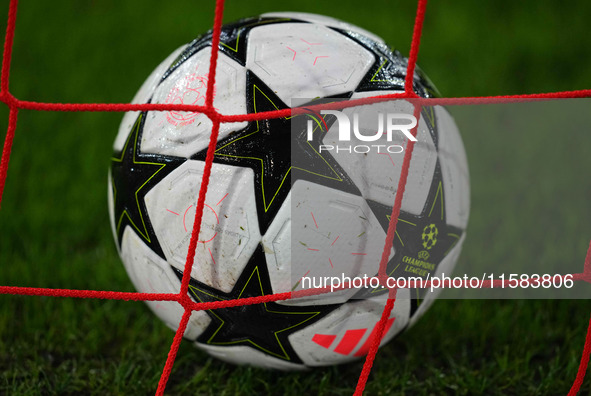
(267, 205)
(438, 194)
(438, 197)
(400, 239)
(373, 78)
(399, 219)
(285, 356)
(430, 115)
(135, 133)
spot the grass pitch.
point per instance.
(54, 228)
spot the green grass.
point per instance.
(54, 229)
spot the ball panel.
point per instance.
(111, 207)
(377, 173)
(333, 234)
(454, 167)
(277, 247)
(150, 274)
(229, 232)
(142, 96)
(342, 336)
(182, 133)
(306, 60)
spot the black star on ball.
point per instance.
(264, 326)
(133, 174)
(412, 258)
(278, 152)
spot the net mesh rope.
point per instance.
(217, 118)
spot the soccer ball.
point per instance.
(283, 214)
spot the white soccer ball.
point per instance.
(283, 214)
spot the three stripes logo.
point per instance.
(351, 340)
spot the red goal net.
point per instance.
(182, 298)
